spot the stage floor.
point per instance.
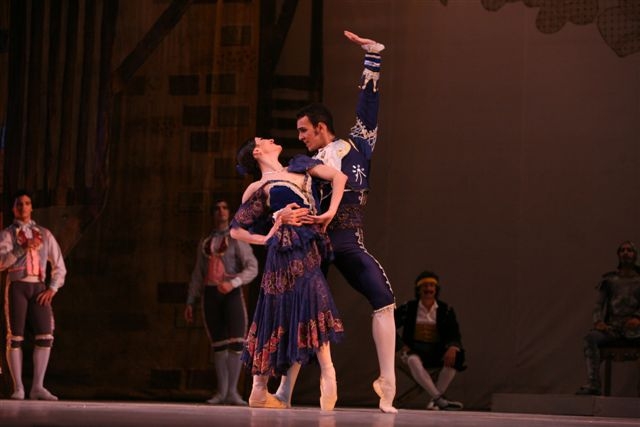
(136, 414)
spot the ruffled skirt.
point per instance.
(295, 313)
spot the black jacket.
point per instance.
(446, 324)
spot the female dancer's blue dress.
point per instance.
(295, 313)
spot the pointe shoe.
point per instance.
(386, 392)
(18, 394)
(328, 394)
(41, 394)
(268, 400)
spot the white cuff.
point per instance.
(276, 214)
(373, 47)
(236, 282)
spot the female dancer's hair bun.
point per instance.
(247, 165)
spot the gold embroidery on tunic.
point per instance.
(426, 333)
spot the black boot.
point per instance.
(592, 359)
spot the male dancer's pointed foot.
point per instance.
(386, 391)
(266, 400)
(41, 394)
(328, 394)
